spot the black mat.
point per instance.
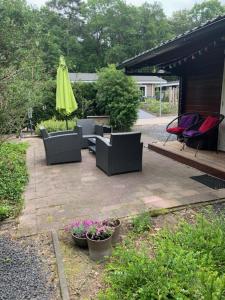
(210, 181)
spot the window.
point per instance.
(143, 90)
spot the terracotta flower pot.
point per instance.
(99, 249)
(116, 232)
(80, 242)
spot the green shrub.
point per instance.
(55, 125)
(153, 105)
(142, 222)
(118, 97)
(13, 177)
(85, 94)
(186, 264)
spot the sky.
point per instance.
(168, 5)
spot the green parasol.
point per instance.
(65, 100)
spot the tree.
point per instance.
(118, 97)
(206, 11)
(184, 20)
(22, 73)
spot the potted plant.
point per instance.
(79, 230)
(116, 225)
(99, 238)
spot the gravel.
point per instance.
(23, 274)
(156, 132)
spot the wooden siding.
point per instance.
(202, 85)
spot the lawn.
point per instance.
(13, 178)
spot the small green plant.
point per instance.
(55, 125)
(4, 212)
(188, 263)
(142, 222)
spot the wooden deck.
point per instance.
(209, 162)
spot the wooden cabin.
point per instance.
(197, 57)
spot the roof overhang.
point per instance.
(178, 47)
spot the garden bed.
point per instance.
(13, 178)
(135, 270)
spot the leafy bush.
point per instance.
(186, 264)
(153, 106)
(85, 94)
(142, 222)
(13, 177)
(55, 125)
(118, 97)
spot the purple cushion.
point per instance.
(187, 121)
(190, 133)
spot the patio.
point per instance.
(58, 194)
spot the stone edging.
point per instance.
(62, 279)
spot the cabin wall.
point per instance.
(202, 83)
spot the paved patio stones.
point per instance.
(58, 194)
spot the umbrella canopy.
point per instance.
(65, 100)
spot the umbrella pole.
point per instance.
(67, 123)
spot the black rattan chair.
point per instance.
(121, 154)
(61, 148)
(88, 129)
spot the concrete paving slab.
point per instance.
(61, 193)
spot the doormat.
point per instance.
(210, 181)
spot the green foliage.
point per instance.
(187, 264)
(13, 177)
(118, 97)
(142, 223)
(55, 125)
(4, 212)
(184, 20)
(153, 106)
(85, 94)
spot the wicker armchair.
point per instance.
(88, 129)
(61, 148)
(182, 122)
(121, 154)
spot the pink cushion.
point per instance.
(209, 123)
(175, 130)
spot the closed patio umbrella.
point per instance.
(65, 100)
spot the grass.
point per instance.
(13, 178)
(186, 263)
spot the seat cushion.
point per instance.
(175, 130)
(209, 123)
(191, 133)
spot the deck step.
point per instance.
(195, 163)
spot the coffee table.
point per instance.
(92, 145)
